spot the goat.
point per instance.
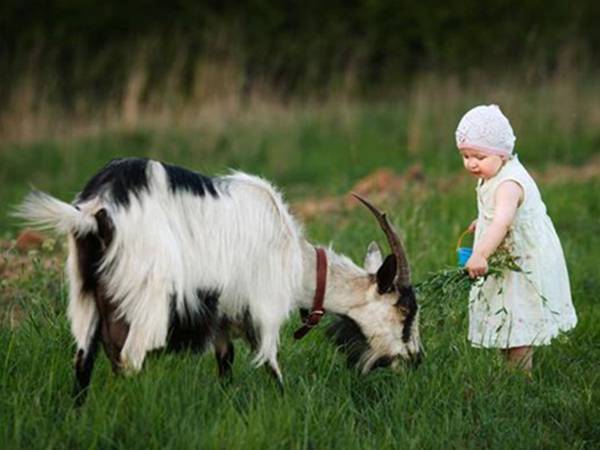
(160, 256)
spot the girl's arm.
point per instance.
(506, 201)
(472, 226)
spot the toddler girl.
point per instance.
(516, 311)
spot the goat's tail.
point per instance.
(44, 212)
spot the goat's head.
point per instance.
(383, 328)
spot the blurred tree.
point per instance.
(294, 46)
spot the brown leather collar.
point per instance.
(317, 309)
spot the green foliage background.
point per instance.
(87, 48)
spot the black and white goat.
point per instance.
(160, 256)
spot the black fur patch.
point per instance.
(194, 332)
(408, 301)
(350, 339)
(106, 227)
(89, 253)
(124, 177)
(181, 179)
(386, 274)
(348, 336)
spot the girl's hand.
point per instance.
(476, 265)
(472, 227)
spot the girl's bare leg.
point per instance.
(520, 358)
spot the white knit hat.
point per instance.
(486, 129)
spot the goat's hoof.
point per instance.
(126, 368)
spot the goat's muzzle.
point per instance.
(401, 363)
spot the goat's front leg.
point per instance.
(148, 329)
(112, 328)
(275, 372)
(133, 353)
(114, 335)
(267, 350)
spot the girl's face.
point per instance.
(480, 164)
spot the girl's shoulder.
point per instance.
(515, 171)
(531, 202)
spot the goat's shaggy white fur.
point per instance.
(239, 241)
(243, 244)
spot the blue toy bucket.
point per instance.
(463, 253)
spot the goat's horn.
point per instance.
(402, 268)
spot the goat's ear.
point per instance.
(373, 258)
(386, 275)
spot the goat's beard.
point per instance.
(350, 339)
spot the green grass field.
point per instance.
(458, 398)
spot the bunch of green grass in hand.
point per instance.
(455, 283)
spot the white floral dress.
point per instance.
(527, 308)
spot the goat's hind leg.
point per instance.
(85, 326)
(83, 312)
(224, 350)
(84, 365)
